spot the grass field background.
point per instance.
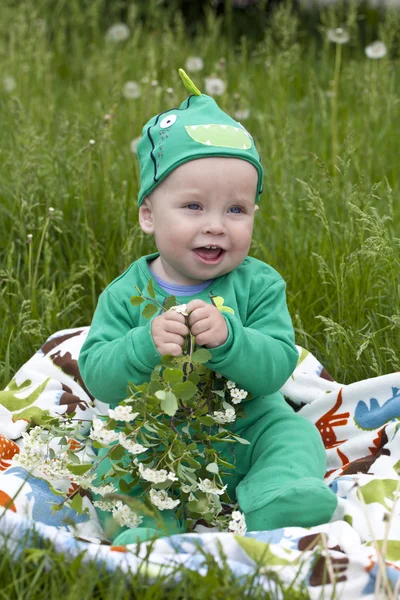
(327, 134)
(325, 119)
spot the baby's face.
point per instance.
(202, 219)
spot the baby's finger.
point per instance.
(176, 327)
(198, 314)
(173, 349)
(172, 315)
(200, 327)
(194, 304)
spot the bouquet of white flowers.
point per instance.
(166, 436)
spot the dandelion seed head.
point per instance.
(376, 50)
(170, 90)
(131, 90)
(9, 83)
(29, 238)
(134, 144)
(214, 86)
(338, 35)
(91, 143)
(119, 32)
(194, 64)
(154, 83)
(242, 114)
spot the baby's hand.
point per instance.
(206, 324)
(168, 331)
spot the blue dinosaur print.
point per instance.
(392, 575)
(375, 416)
(44, 498)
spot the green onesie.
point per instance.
(278, 479)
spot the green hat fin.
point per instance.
(188, 83)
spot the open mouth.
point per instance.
(224, 136)
(210, 255)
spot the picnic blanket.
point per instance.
(343, 559)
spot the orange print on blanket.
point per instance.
(8, 449)
(6, 501)
(330, 420)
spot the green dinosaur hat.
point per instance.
(197, 129)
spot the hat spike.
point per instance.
(188, 83)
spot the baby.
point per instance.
(201, 179)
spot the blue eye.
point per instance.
(235, 209)
(193, 206)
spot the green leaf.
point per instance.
(192, 462)
(184, 390)
(149, 310)
(202, 355)
(173, 375)
(150, 289)
(79, 469)
(241, 440)
(168, 361)
(170, 302)
(76, 503)
(213, 468)
(124, 487)
(169, 402)
(208, 421)
(194, 377)
(225, 464)
(137, 300)
(117, 453)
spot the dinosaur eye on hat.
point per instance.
(168, 121)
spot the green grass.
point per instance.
(329, 218)
(41, 573)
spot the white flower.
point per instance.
(181, 308)
(162, 500)
(118, 33)
(125, 517)
(103, 490)
(214, 86)
(155, 476)
(187, 489)
(107, 505)
(134, 145)
(85, 481)
(209, 487)
(238, 395)
(130, 445)
(122, 413)
(131, 90)
(230, 384)
(9, 83)
(237, 524)
(228, 416)
(194, 64)
(376, 50)
(99, 433)
(338, 35)
(242, 114)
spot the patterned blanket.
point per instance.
(349, 558)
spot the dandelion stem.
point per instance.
(335, 98)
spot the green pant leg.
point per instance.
(149, 527)
(284, 464)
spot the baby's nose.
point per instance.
(215, 227)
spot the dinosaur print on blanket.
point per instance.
(376, 415)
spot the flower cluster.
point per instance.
(237, 524)
(161, 439)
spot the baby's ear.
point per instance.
(146, 216)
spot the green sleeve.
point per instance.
(260, 355)
(116, 351)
